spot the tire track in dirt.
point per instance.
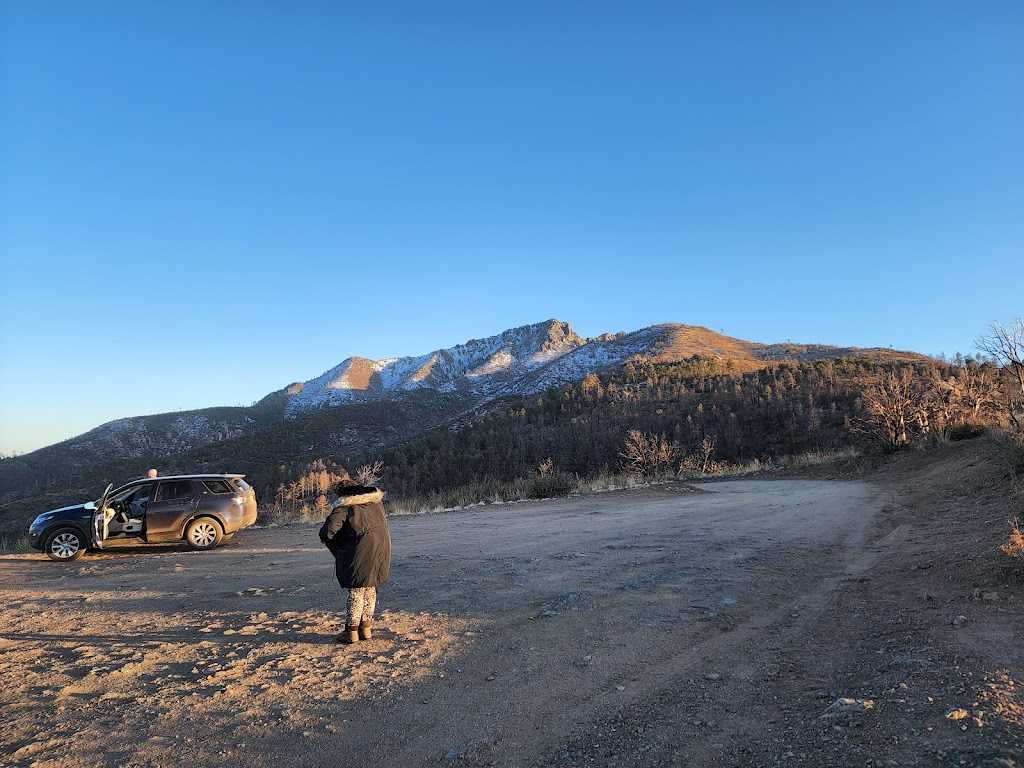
(661, 678)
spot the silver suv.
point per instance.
(202, 510)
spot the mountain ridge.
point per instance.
(524, 360)
(531, 358)
(399, 401)
(475, 366)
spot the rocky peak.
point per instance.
(477, 366)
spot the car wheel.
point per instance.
(64, 545)
(203, 533)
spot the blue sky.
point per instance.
(275, 187)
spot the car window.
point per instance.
(135, 493)
(242, 485)
(217, 486)
(174, 489)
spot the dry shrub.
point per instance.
(608, 481)
(1013, 457)
(1014, 547)
(550, 486)
(278, 513)
(650, 455)
(13, 542)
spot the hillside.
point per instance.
(60, 475)
(520, 361)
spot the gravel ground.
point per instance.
(852, 615)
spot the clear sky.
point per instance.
(273, 187)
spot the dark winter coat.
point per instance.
(357, 534)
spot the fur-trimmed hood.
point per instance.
(356, 532)
(360, 495)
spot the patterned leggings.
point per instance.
(361, 603)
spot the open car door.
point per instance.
(99, 518)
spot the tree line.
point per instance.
(700, 415)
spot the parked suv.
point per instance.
(202, 510)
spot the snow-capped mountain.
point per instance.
(522, 360)
(479, 367)
(453, 382)
(529, 360)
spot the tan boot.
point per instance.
(350, 635)
(364, 630)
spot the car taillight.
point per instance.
(239, 500)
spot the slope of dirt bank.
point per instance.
(860, 616)
(932, 634)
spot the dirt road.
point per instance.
(675, 625)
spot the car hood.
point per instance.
(67, 510)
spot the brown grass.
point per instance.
(1014, 547)
(681, 342)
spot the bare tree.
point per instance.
(891, 403)
(944, 399)
(650, 455)
(638, 452)
(369, 474)
(707, 450)
(980, 388)
(321, 506)
(669, 454)
(1005, 343)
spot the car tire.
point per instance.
(65, 545)
(203, 533)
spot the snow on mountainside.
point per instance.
(480, 367)
(596, 355)
(533, 358)
(523, 361)
(145, 435)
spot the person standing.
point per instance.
(356, 533)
